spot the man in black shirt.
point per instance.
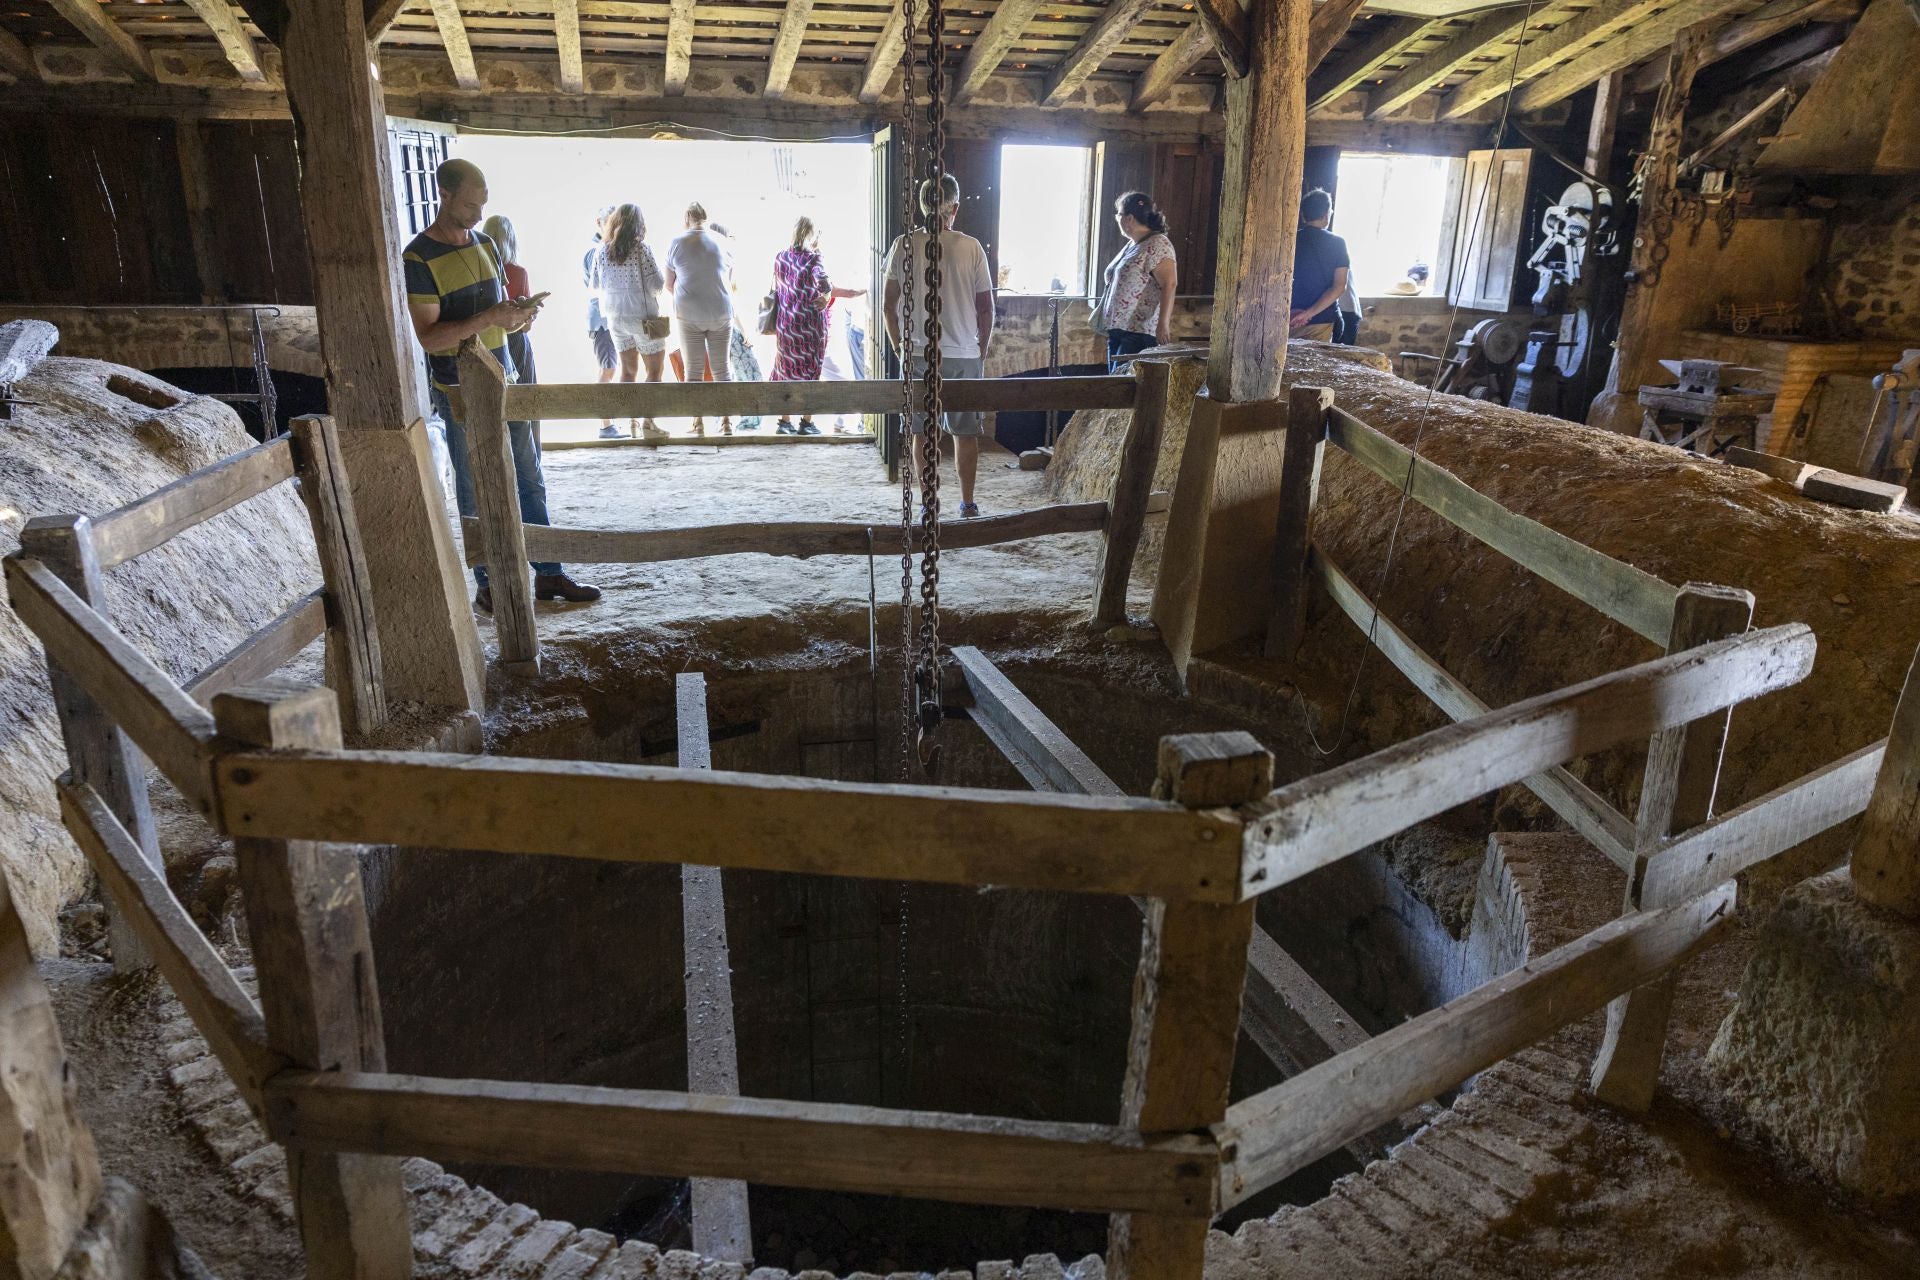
(1320, 267)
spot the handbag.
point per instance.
(769, 311)
(656, 326)
(1097, 318)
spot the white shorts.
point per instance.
(628, 335)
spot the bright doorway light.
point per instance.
(1391, 210)
(1043, 218)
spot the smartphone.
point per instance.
(534, 301)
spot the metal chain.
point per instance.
(908, 159)
(927, 677)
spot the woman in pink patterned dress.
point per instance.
(803, 293)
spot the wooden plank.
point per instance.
(1275, 1133)
(548, 401)
(1604, 124)
(1116, 23)
(354, 669)
(143, 524)
(1299, 482)
(16, 59)
(786, 47)
(266, 650)
(127, 53)
(1172, 66)
(313, 952)
(1787, 470)
(1886, 857)
(1605, 827)
(644, 813)
(1229, 29)
(722, 1227)
(232, 37)
(1321, 819)
(991, 47)
(1641, 41)
(1067, 768)
(679, 48)
(1328, 27)
(496, 493)
(884, 56)
(1186, 1005)
(925, 1154)
(453, 39)
(1473, 41)
(1628, 595)
(566, 36)
(220, 1007)
(1843, 490)
(1386, 40)
(196, 190)
(1132, 491)
(1594, 29)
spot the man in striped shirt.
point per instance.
(457, 289)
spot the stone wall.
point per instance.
(1872, 270)
(1394, 324)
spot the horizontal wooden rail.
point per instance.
(550, 401)
(1275, 1133)
(1321, 819)
(648, 813)
(145, 523)
(1609, 830)
(930, 1155)
(1628, 595)
(173, 730)
(800, 538)
(1737, 841)
(213, 997)
(266, 650)
(1047, 758)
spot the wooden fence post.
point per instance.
(306, 914)
(98, 752)
(1886, 856)
(353, 643)
(1676, 794)
(1299, 486)
(1186, 1004)
(1132, 485)
(496, 492)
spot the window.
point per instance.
(1043, 218)
(1392, 212)
(417, 154)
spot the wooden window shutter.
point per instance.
(1490, 228)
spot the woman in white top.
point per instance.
(628, 281)
(700, 273)
(1140, 281)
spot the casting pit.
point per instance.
(992, 1002)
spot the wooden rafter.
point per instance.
(105, 33)
(1482, 35)
(16, 59)
(233, 38)
(1386, 40)
(1328, 24)
(1171, 67)
(380, 16)
(1764, 23)
(884, 56)
(679, 46)
(994, 43)
(1644, 40)
(1226, 22)
(453, 38)
(786, 46)
(1094, 48)
(1596, 29)
(566, 36)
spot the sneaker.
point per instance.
(609, 432)
(969, 511)
(807, 428)
(784, 428)
(558, 586)
(483, 599)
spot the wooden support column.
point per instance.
(1606, 120)
(1299, 486)
(722, 1228)
(430, 651)
(353, 642)
(1886, 857)
(190, 145)
(1186, 1004)
(99, 754)
(306, 914)
(1132, 486)
(1676, 795)
(503, 538)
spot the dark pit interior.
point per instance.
(986, 1001)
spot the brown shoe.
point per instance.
(558, 586)
(483, 599)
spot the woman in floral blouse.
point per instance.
(1140, 281)
(800, 328)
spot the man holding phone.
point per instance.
(457, 289)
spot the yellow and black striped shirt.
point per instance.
(465, 279)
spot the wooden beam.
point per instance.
(1328, 27)
(233, 38)
(126, 52)
(546, 401)
(496, 494)
(1642, 40)
(354, 668)
(566, 38)
(1132, 493)
(1117, 21)
(1321, 819)
(1886, 857)
(679, 63)
(1598, 28)
(1764, 23)
(266, 650)
(130, 531)
(1496, 28)
(453, 38)
(1228, 27)
(1012, 718)
(1275, 1133)
(1604, 123)
(991, 47)
(885, 55)
(380, 16)
(196, 190)
(1299, 486)
(786, 47)
(1386, 39)
(16, 59)
(1172, 66)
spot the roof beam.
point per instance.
(1481, 35)
(786, 47)
(992, 45)
(16, 59)
(1642, 41)
(1764, 23)
(1329, 22)
(233, 38)
(96, 26)
(1171, 67)
(380, 16)
(679, 47)
(884, 56)
(1599, 28)
(1095, 47)
(1226, 21)
(453, 38)
(1386, 40)
(566, 38)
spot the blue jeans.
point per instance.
(526, 470)
(1125, 342)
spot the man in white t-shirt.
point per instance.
(966, 318)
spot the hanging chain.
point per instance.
(927, 673)
(908, 159)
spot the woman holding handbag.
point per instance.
(801, 295)
(1135, 310)
(628, 282)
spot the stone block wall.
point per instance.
(1872, 271)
